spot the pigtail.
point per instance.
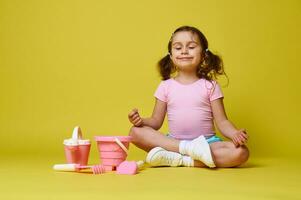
(166, 67)
(211, 67)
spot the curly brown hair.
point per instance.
(209, 69)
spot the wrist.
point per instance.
(234, 133)
(230, 134)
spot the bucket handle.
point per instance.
(121, 145)
(77, 133)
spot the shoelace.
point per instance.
(168, 156)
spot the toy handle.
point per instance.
(121, 145)
(140, 164)
(77, 133)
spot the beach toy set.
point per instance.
(113, 151)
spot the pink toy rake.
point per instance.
(96, 169)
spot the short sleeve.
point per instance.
(161, 92)
(215, 92)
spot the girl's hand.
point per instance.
(135, 118)
(240, 138)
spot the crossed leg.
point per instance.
(224, 153)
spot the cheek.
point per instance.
(195, 52)
(174, 60)
(174, 55)
(197, 57)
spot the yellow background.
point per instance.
(65, 63)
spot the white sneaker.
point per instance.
(161, 157)
(198, 149)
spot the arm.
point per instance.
(155, 121)
(157, 118)
(226, 127)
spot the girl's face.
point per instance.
(186, 51)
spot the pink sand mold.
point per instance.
(129, 167)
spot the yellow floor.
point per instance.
(270, 178)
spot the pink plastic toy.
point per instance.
(77, 149)
(129, 167)
(112, 150)
(77, 154)
(96, 169)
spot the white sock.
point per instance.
(197, 149)
(187, 161)
(183, 147)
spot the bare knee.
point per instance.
(135, 133)
(138, 133)
(242, 155)
(140, 137)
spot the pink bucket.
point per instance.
(112, 150)
(77, 154)
(77, 149)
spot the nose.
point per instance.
(184, 50)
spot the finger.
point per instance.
(242, 139)
(238, 141)
(138, 123)
(243, 130)
(133, 112)
(235, 142)
(135, 115)
(244, 135)
(136, 120)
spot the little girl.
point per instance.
(192, 99)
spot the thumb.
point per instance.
(135, 110)
(243, 130)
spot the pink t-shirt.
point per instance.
(189, 110)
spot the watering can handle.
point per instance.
(121, 145)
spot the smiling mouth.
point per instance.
(187, 58)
